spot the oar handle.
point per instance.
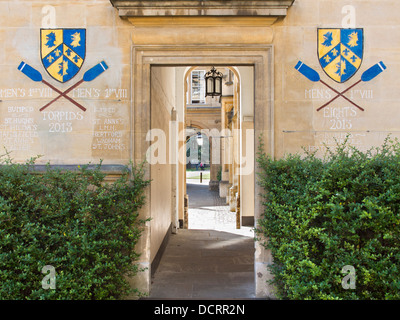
(351, 87)
(61, 94)
(73, 87)
(89, 75)
(340, 94)
(329, 102)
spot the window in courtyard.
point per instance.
(197, 87)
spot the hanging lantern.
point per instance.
(213, 83)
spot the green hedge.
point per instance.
(84, 228)
(324, 214)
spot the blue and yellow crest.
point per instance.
(340, 52)
(62, 52)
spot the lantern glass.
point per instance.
(210, 86)
(213, 83)
(218, 86)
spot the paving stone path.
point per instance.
(211, 259)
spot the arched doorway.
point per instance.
(218, 120)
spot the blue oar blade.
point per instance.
(308, 72)
(372, 72)
(94, 72)
(30, 72)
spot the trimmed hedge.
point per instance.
(73, 221)
(324, 214)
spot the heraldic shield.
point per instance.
(62, 52)
(340, 52)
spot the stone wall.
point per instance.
(297, 99)
(163, 102)
(108, 117)
(63, 132)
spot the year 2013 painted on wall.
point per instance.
(73, 121)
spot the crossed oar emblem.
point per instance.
(89, 75)
(313, 75)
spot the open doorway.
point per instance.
(214, 144)
(209, 253)
(255, 67)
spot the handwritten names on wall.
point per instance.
(109, 130)
(102, 131)
(18, 128)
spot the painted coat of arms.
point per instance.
(340, 52)
(62, 52)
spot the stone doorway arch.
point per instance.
(209, 115)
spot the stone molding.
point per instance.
(112, 171)
(202, 8)
(261, 57)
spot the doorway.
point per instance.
(167, 62)
(213, 149)
(210, 254)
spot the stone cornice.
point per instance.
(202, 8)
